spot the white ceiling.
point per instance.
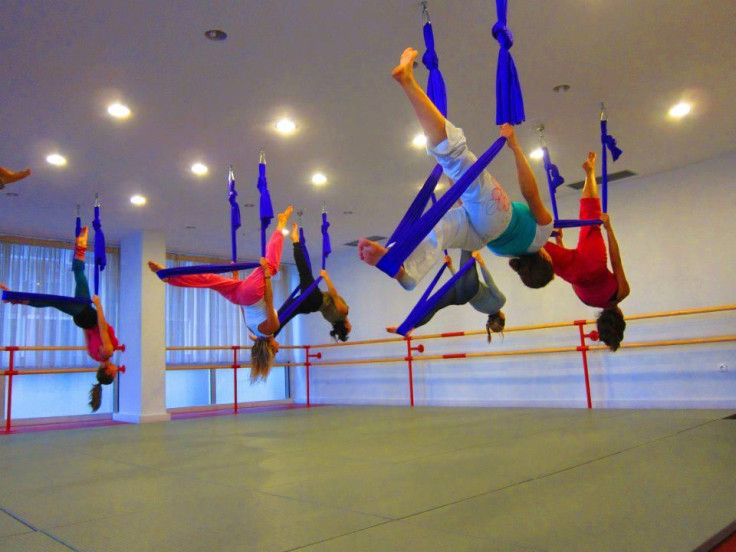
(327, 64)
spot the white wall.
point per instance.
(676, 233)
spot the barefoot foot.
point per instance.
(294, 232)
(284, 218)
(404, 72)
(7, 176)
(155, 267)
(370, 252)
(392, 329)
(80, 244)
(589, 165)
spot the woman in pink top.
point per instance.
(254, 294)
(586, 266)
(99, 336)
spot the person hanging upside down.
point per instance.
(8, 177)
(586, 266)
(333, 308)
(99, 336)
(254, 294)
(484, 297)
(486, 216)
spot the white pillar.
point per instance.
(142, 329)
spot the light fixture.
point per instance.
(319, 179)
(536, 154)
(56, 159)
(200, 169)
(680, 110)
(419, 141)
(138, 200)
(118, 110)
(286, 126)
(285, 232)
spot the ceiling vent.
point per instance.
(611, 177)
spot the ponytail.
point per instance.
(95, 397)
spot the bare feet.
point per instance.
(80, 244)
(155, 267)
(294, 232)
(589, 165)
(284, 218)
(403, 73)
(392, 329)
(8, 177)
(370, 252)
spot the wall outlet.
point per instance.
(723, 367)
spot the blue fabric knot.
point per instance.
(503, 35)
(610, 142)
(430, 60)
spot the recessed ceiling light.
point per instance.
(419, 141)
(56, 159)
(285, 232)
(319, 179)
(286, 126)
(138, 200)
(200, 169)
(119, 111)
(215, 35)
(536, 154)
(680, 110)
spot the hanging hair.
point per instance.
(261, 358)
(339, 331)
(534, 270)
(611, 326)
(495, 323)
(95, 394)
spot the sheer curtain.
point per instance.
(199, 317)
(44, 269)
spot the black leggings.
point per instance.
(313, 301)
(462, 291)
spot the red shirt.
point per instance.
(94, 341)
(586, 266)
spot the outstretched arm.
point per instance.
(616, 264)
(340, 305)
(527, 181)
(107, 348)
(271, 324)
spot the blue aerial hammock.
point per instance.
(286, 311)
(99, 264)
(266, 214)
(555, 180)
(415, 226)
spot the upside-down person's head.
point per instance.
(86, 319)
(535, 269)
(611, 326)
(496, 323)
(261, 357)
(105, 376)
(341, 330)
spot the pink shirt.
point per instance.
(94, 341)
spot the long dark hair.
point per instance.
(95, 394)
(534, 270)
(261, 358)
(339, 331)
(611, 326)
(496, 323)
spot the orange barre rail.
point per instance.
(173, 368)
(58, 371)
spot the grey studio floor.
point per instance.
(373, 479)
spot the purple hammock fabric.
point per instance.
(554, 180)
(21, 296)
(608, 142)
(100, 254)
(266, 206)
(232, 197)
(427, 303)
(295, 299)
(509, 100)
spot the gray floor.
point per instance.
(375, 479)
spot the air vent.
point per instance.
(611, 177)
(354, 243)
